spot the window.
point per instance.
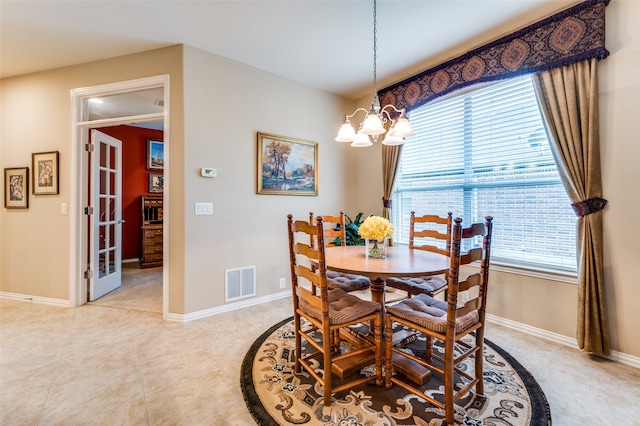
(486, 152)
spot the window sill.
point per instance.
(545, 274)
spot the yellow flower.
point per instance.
(376, 228)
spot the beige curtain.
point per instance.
(390, 158)
(569, 102)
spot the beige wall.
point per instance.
(223, 104)
(552, 305)
(226, 104)
(36, 117)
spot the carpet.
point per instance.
(141, 290)
(275, 395)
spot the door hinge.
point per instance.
(88, 210)
(88, 147)
(88, 274)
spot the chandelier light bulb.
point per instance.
(346, 133)
(362, 141)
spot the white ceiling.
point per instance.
(327, 44)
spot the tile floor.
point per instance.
(97, 365)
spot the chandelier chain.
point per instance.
(375, 49)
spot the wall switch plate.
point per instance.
(282, 282)
(208, 172)
(204, 208)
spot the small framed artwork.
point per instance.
(287, 166)
(156, 182)
(155, 154)
(45, 173)
(16, 188)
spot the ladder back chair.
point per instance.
(432, 233)
(449, 322)
(320, 315)
(336, 236)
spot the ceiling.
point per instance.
(326, 44)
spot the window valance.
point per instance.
(570, 36)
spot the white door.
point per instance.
(105, 224)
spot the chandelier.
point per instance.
(372, 127)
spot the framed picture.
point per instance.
(45, 173)
(287, 166)
(155, 154)
(16, 188)
(156, 182)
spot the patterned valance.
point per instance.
(570, 36)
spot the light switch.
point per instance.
(204, 208)
(63, 208)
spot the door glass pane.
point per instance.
(112, 235)
(103, 155)
(102, 237)
(103, 182)
(112, 183)
(102, 265)
(139, 102)
(112, 157)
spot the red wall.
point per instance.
(135, 181)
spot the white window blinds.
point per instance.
(485, 152)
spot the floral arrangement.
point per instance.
(376, 228)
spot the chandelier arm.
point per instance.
(357, 111)
(401, 111)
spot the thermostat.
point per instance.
(208, 172)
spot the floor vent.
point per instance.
(240, 283)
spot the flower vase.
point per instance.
(375, 248)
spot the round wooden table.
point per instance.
(400, 261)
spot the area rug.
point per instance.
(276, 395)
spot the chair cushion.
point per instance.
(430, 313)
(347, 282)
(430, 285)
(344, 308)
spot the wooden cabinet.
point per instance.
(151, 253)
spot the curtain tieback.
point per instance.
(386, 203)
(585, 207)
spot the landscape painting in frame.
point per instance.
(287, 166)
(155, 154)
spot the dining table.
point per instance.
(399, 261)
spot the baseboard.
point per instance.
(37, 299)
(228, 308)
(616, 356)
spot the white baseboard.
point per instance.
(228, 308)
(616, 356)
(37, 299)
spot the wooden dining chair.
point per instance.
(320, 315)
(430, 233)
(335, 235)
(449, 322)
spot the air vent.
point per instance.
(240, 283)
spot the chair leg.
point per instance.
(298, 337)
(448, 381)
(428, 348)
(479, 357)
(327, 368)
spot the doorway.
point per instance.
(127, 113)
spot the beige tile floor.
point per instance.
(97, 365)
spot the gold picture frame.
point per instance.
(46, 176)
(287, 166)
(16, 188)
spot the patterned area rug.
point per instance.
(275, 395)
